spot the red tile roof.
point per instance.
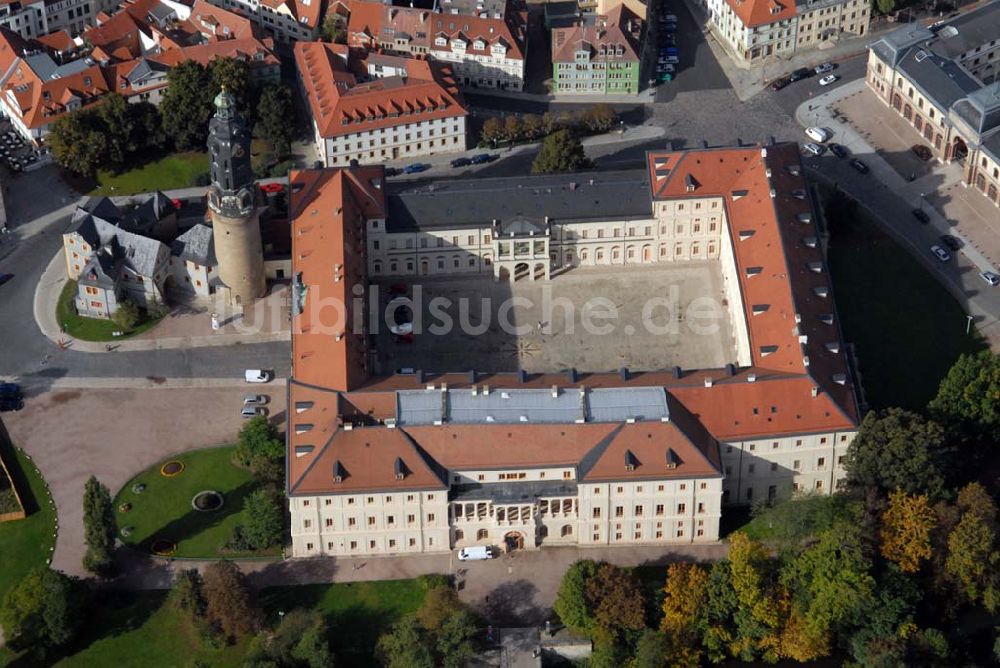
(305, 12)
(755, 13)
(618, 33)
(342, 105)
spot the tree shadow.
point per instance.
(511, 604)
(18, 478)
(195, 522)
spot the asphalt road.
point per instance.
(28, 356)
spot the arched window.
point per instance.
(567, 530)
(459, 534)
(482, 534)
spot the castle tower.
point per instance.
(232, 200)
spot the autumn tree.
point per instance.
(906, 530)
(970, 393)
(439, 603)
(512, 128)
(599, 118)
(898, 449)
(229, 606)
(685, 595)
(762, 604)
(492, 130)
(615, 597)
(973, 550)
(561, 152)
(531, 126)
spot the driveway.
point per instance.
(114, 434)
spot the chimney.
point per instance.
(730, 370)
(472, 375)
(571, 375)
(624, 373)
(815, 391)
(486, 390)
(419, 374)
(751, 378)
(522, 376)
(555, 391)
(677, 372)
(708, 381)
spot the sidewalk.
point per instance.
(747, 80)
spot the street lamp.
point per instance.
(968, 324)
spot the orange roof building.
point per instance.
(284, 20)
(422, 461)
(484, 51)
(598, 57)
(406, 115)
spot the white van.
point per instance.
(257, 375)
(476, 553)
(818, 134)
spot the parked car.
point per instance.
(837, 150)
(921, 216)
(671, 60)
(393, 171)
(940, 253)
(778, 84)
(828, 79)
(415, 168)
(858, 165)
(820, 135)
(482, 158)
(251, 411)
(255, 400)
(815, 149)
(667, 40)
(257, 375)
(461, 162)
(671, 18)
(8, 390)
(11, 404)
(272, 187)
(824, 68)
(799, 74)
(951, 242)
(665, 67)
(921, 152)
(5, 277)
(476, 553)
(671, 51)
(990, 277)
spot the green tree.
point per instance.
(405, 646)
(126, 316)
(654, 651)
(439, 604)
(99, 527)
(119, 124)
(186, 593)
(259, 449)
(716, 625)
(186, 106)
(456, 640)
(898, 449)
(571, 600)
(229, 606)
(42, 611)
(973, 550)
(274, 111)
(970, 393)
(300, 641)
(831, 583)
(262, 523)
(235, 76)
(148, 126)
(885, 7)
(79, 141)
(877, 634)
(333, 28)
(561, 152)
(906, 530)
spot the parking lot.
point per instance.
(592, 319)
(15, 153)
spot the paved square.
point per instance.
(666, 315)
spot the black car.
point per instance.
(393, 171)
(481, 159)
(11, 404)
(461, 162)
(860, 166)
(8, 390)
(778, 84)
(951, 242)
(799, 74)
(837, 150)
(921, 216)
(668, 40)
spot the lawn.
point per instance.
(906, 328)
(163, 510)
(91, 329)
(26, 544)
(357, 612)
(139, 629)
(170, 172)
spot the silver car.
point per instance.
(991, 278)
(251, 411)
(940, 253)
(824, 68)
(254, 400)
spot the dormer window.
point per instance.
(479, 45)
(440, 41)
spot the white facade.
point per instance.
(36, 18)
(406, 140)
(279, 22)
(480, 70)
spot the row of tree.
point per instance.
(260, 449)
(531, 127)
(115, 134)
(882, 573)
